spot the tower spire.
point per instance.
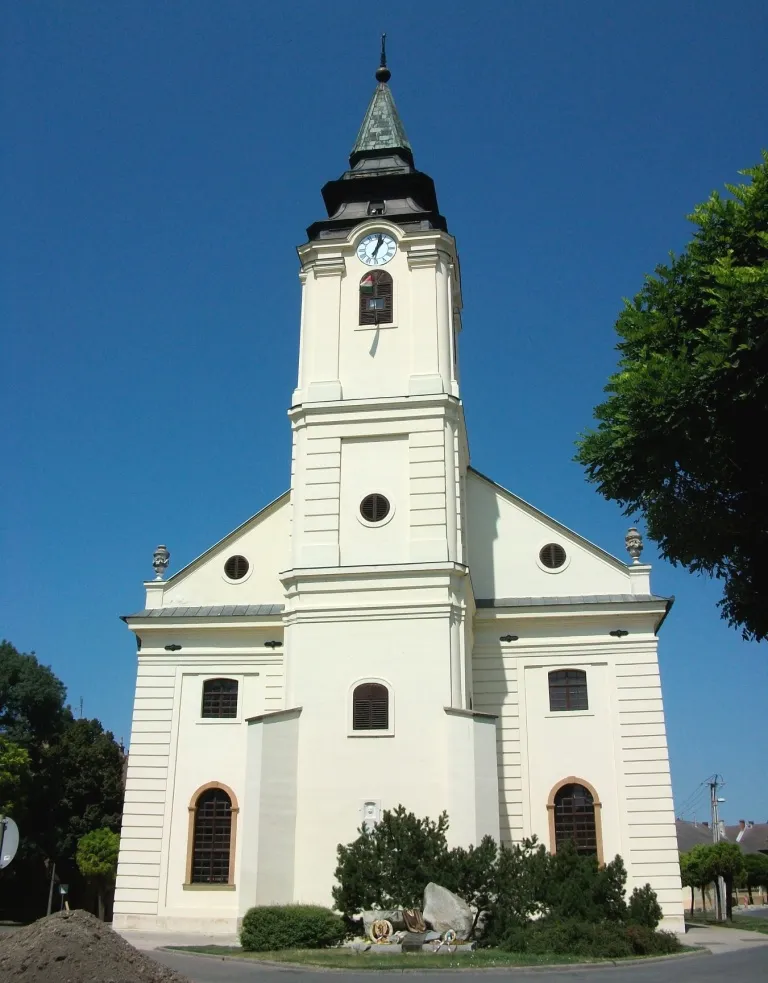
(382, 128)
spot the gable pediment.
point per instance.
(505, 537)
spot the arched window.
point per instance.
(219, 698)
(370, 707)
(376, 298)
(575, 819)
(568, 690)
(212, 838)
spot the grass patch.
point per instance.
(346, 959)
(742, 922)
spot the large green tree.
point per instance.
(679, 438)
(70, 785)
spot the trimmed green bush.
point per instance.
(644, 907)
(604, 940)
(268, 928)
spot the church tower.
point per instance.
(378, 599)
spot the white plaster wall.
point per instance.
(505, 537)
(263, 541)
(618, 746)
(341, 359)
(378, 464)
(471, 779)
(338, 772)
(174, 752)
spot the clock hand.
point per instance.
(378, 246)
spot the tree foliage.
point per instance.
(97, 860)
(70, 785)
(389, 865)
(755, 873)
(14, 768)
(676, 437)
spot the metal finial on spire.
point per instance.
(383, 74)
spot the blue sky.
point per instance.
(162, 161)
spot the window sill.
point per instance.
(209, 887)
(570, 713)
(374, 327)
(207, 721)
(371, 733)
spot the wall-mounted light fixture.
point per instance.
(618, 633)
(273, 645)
(173, 648)
(509, 638)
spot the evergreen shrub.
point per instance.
(644, 908)
(602, 940)
(268, 928)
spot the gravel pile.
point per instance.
(75, 947)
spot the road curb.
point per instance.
(629, 963)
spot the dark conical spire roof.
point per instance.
(382, 174)
(382, 127)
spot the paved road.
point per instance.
(744, 966)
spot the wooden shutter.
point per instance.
(376, 291)
(370, 707)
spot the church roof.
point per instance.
(382, 127)
(211, 611)
(528, 602)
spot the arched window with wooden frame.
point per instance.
(219, 699)
(575, 816)
(213, 813)
(568, 690)
(370, 707)
(376, 291)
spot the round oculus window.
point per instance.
(236, 567)
(374, 508)
(552, 556)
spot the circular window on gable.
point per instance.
(374, 508)
(552, 556)
(236, 567)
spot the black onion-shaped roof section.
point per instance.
(381, 172)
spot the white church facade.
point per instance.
(396, 628)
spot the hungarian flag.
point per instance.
(367, 284)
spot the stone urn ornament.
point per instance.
(160, 560)
(634, 543)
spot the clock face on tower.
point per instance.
(376, 249)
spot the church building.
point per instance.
(396, 628)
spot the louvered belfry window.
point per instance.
(575, 819)
(219, 698)
(374, 508)
(213, 835)
(568, 690)
(376, 290)
(370, 707)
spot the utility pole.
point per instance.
(715, 783)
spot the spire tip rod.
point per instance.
(383, 74)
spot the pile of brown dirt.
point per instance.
(75, 947)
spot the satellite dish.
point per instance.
(9, 840)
